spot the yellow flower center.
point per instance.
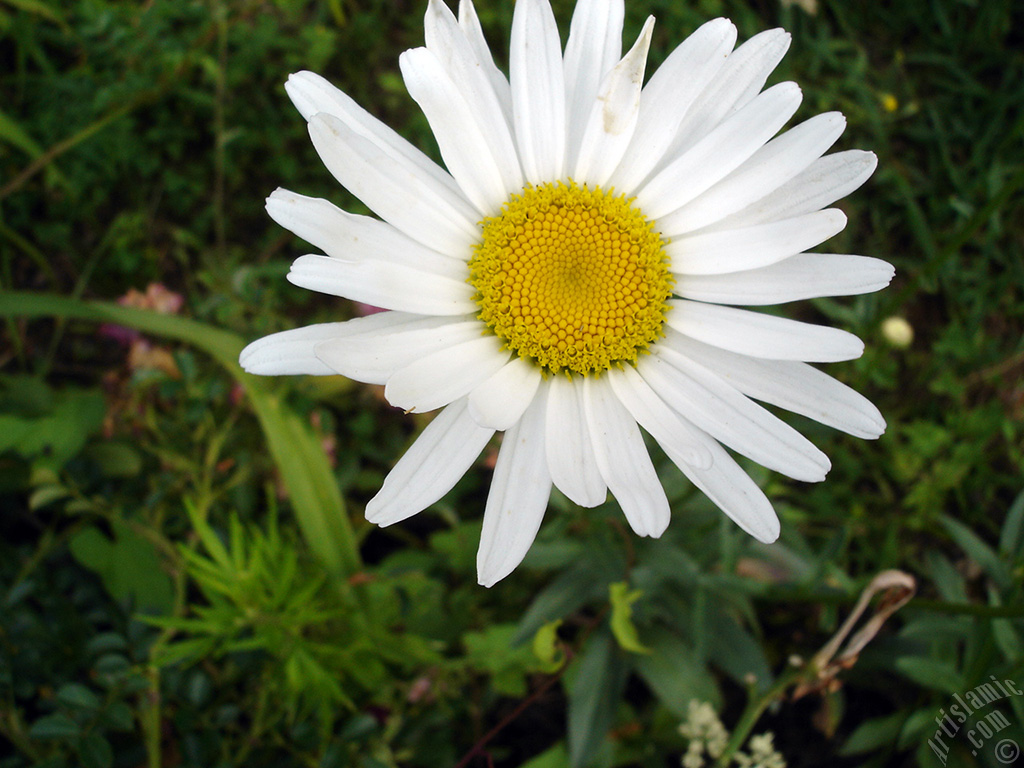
(572, 278)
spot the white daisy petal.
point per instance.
(795, 386)
(469, 22)
(430, 468)
(538, 91)
(723, 150)
(760, 335)
(730, 417)
(350, 237)
(676, 435)
(445, 375)
(732, 491)
(717, 475)
(667, 97)
(396, 190)
(291, 352)
(471, 133)
(500, 401)
(770, 167)
(623, 460)
(739, 80)
(383, 284)
(570, 449)
(614, 114)
(804, 276)
(312, 94)
(593, 48)
(373, 348)
(735, 250)
(517, 499)
(823, 182)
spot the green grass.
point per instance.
(167, 590)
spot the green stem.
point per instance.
(756, 705)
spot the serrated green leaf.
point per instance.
(546, 649)
(622, 599)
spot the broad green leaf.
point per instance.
(675, 674)
(77, 696)
(733, 650)
(95, 751)
(930, 673)
(594, 693)
(55, 726)
(555, 757)
(622, 599)
(566, 593)
(491, 651)
(295, 448)
(129, 566)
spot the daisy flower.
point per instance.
(575, 272)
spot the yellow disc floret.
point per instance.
(572, 278)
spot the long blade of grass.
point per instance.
(301, 461)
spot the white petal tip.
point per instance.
(769, 534)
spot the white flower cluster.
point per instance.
(708, 739)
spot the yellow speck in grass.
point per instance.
(890, 102)
(572, 278)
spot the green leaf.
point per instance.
(491, 650)
(95, 752)
(561, 597)
(129, 566)
(47, 494)
(58, 434)
(55, 726)
(36, 6)
(873, 734)
(978, 551)
(556, 757)
(115, 460)
(300, 459)
(675, 673)
(930, 673)
(546, 648)
(1011, 538)
(623, 628)
(77, 696)
(594, 692)
(732, 648)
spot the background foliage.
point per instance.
(183, 584)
